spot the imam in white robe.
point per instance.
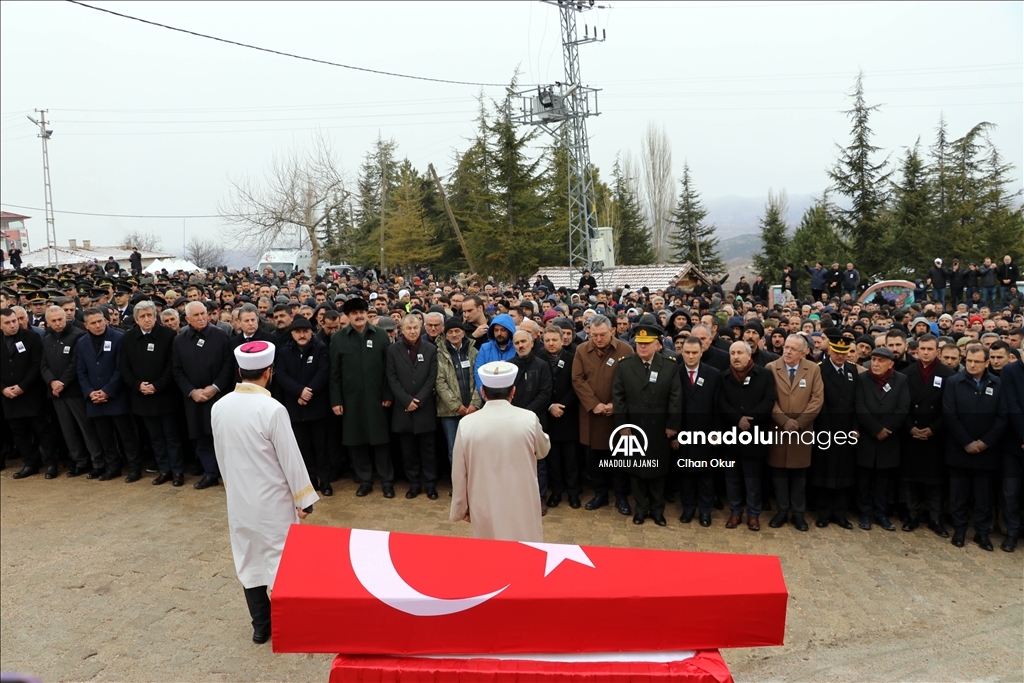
(264, 477)
(494, 472)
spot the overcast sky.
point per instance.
(154, 122)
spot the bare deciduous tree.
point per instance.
(143, 240)
(297, 196)
(205, 253)
(658, 186)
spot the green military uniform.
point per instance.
(651, 399)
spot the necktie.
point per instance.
(692, 374)
(647, 366)
(792, 375)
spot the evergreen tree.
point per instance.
(632, 234)
(913, 244)
(692, 239)
(377, 175)
(409, 239)
(856, 177)
(1002, 229)
(775, 242)
(816, 238)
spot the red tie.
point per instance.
(692, 373)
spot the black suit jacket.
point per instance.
(149, 358)
(533, 386)
(197, 366)
(60, 361)
(21, 367)
(973, 414)
(700, 407)
(755, 397)
(877, 410)
(409, 379)
(716, 358)
(294, 370)
(567, 427)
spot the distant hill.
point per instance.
(734, 215)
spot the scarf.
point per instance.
(927, 371)
(412, 347)
(882, 380)
(741, 375)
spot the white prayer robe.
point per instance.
(494, 472)
(264, 476)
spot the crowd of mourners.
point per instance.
(113, 372)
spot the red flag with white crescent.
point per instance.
(375, 592)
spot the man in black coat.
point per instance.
(712, 355)
(563, 421)
(834, 469)
(24, 396)
(533, 392)
(883, 402)
(701, 385)
(924, 437)
(59, 370)
(976, 422)
(1012, 389)
(411, 372)
(301, 372)
(147, 353)
(135, 260)
(202, 364)
(745, 402)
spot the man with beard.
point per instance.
(361, 395)
(753, 332)
(882, 405)
(563, 421)
(457, 394)
(745, 402)
(833, 467)
(646, 393)
(924, 437)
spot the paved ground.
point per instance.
(117, 582)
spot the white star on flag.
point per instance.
(558, 553)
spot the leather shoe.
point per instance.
(686, 517)
(638, 518)
(753, 523)
(779, 519)
(260, 637)
(431, 493)
(178, 480)
(554, 500)
(865, 523)
(206, 482)
(26, 471)
(958, 538)
(133, 476)
(364, 490)
(883, 521)
(983, 542)
(732, 522)
(938, 529)
(51, 472)
(705, 520)
(161, 479)
(412, 492)
(598, 501)
(1009, 544)
(389, 490)
(327, 490)
(110, 475)
(93, 474)
(622, 505)
(659, 519)
(910, 524)
(574, 502)
(799, 522)
(843, 522)
(75, 471)
(822, 522)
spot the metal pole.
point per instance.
(51, 230)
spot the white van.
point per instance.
(288, 260)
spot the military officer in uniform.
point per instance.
(646, 393)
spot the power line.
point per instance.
(104, 215)
(285, 54)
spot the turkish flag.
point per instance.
(374, 592)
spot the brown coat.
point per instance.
(801, 403)
(592, 378)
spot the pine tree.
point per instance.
(864, 183)
(632, 234)
(692, 239)
(775, 242)
(377, 175)
(817, 239)
(914, 244)
(1002, 213)
(409, 240)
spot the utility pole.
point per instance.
(51, 231)
(383, 201)
(562, 110)
(451, 217)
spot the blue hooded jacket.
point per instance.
(489, 351)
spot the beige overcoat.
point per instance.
(802, 401)
(592, 375)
